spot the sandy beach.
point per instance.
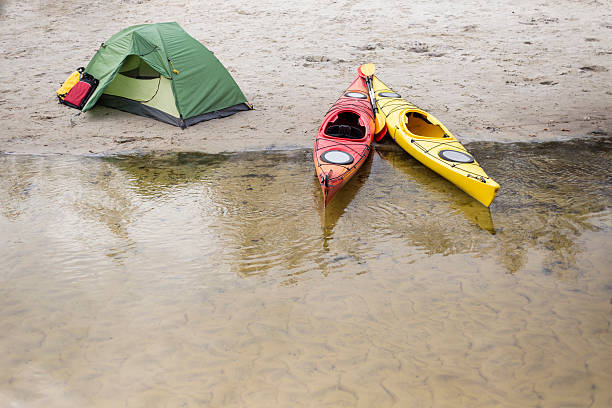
(491, 71)
(204, 270)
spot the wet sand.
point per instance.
(489, 70)
(199, 280)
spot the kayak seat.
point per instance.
(420, 125)
(344, 131)
(347, 125)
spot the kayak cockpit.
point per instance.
(419, 125)
(347, 125)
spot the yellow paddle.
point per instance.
(368, 69)
(379, 120)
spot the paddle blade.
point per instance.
(379, 123)
(367, 70)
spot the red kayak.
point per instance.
(344, 139)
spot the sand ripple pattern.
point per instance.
(217, 280)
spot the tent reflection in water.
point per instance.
(160, 71)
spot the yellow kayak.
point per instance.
(426, 139)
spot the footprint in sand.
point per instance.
(593, 68)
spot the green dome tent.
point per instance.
(160, 71)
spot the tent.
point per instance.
(160, 71)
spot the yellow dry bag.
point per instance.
(70, 82)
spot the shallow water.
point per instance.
(218, 280)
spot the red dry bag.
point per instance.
(79, 94)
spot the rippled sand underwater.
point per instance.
(218, 280)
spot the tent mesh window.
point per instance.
(135, 67)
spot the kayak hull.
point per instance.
(426, 139)
(344, 139)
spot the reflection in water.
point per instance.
(335, 208)
(437, 189)
(552, 191)
(105, 200)
(549, 192)
(255, 206)
(213, 280)
(154, 173)
(17, 185)
(267, 227)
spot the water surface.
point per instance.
(219, 280)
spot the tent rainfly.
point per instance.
(160, 71)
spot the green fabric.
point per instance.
(202, 84)
(156, 93)
(164, 100)
(137, 89)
